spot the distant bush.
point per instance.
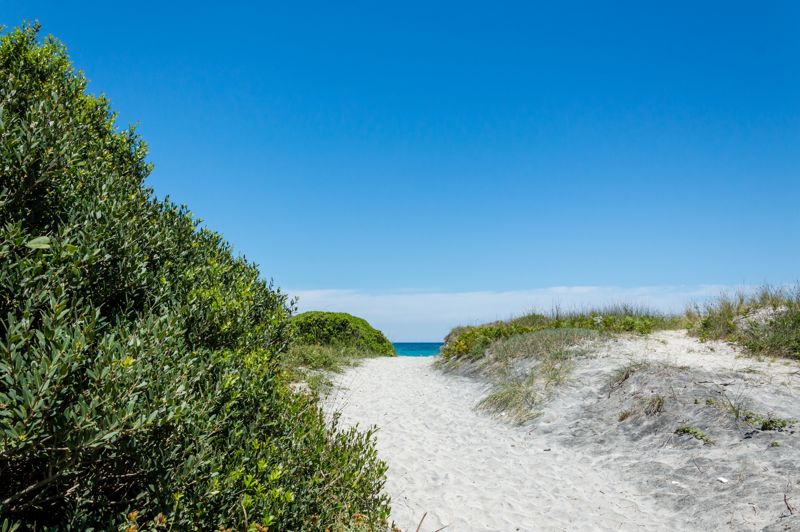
(765, 323)
(471, 342)
(340, 329)
(138, 356)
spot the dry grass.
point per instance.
(527, 367)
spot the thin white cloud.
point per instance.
(428, 316)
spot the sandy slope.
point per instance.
(578, 466)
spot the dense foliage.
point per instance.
(472, 342)
(340, 329)
(765, 323)
(138, 355)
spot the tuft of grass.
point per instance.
(738, 407)
(695, 433)
(654, 405)
(548, 345)
(739, 410)
(775, 444)
(624, 373)
(516, 398)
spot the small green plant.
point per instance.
(695, 433)
(775, 444)
(625, 414)
(775, 423)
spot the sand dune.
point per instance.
(578, 467)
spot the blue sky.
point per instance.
(365, 153)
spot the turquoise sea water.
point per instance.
(417, 349)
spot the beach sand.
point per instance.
(577, 467)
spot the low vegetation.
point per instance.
(526, 357)
(311, 365)
(326, 343)
(739, 409)
(140, 382)
(695, 433)
(518, 398)
(472, 342)
(765, 323)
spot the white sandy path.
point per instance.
(470, 472)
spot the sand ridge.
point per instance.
(576, 466)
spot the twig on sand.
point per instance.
(717, 383)
(791, 508)
(421, 520)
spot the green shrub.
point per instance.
(138, 355)
(340, 329)
(471, 342)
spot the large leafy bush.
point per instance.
(138, 355)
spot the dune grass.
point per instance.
(528, 356)
(766, 323)
(527, 367)
(471, 342)
(314, 364)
